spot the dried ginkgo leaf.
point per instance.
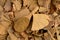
(39, 21)
(22, 23)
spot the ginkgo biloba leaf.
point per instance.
(22, 23)
(39, 21)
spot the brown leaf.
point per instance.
(22, 23)
(40, 21)
(11, 35)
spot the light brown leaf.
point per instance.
(40, 21)
(22, 23)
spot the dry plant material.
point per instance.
(3, 30)
(39, 22)
(27, 2)
(2, 37)
(57, 3)
(59, 37)
(44, 3)
(16, 5)
(5, 21)
(29, 19)
(17, 35)
(22, 23)
(23, 12)
(7, 5)
(11, 15)
(8, 38)
(33, 5)
(57, 27)
(4, 24)
(1, 8)
(58, 19)
(42, 9)
(38, 38)
(47, 36)
(2, 2)
(11, 35)
(55, 14)
(24, 35)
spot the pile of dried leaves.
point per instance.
(29, 19)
